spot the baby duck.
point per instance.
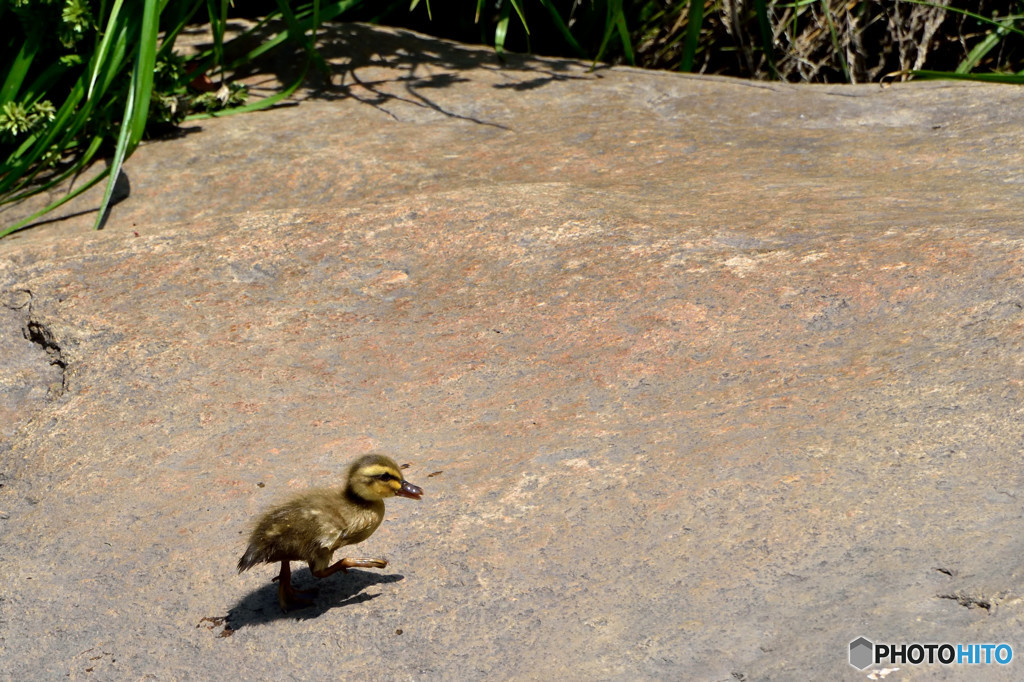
(311, 526)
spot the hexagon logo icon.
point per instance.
(862, 653)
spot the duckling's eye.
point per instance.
(387, 477)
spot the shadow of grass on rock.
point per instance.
(416, 62)
(261, 606)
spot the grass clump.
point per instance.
(88, 79)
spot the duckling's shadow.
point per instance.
(261, 606)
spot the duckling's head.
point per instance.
(373, 477)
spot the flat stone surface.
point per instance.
(703, 379)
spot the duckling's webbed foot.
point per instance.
(346, 564)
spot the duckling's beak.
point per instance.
(410, 490)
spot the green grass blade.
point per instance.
(693, 25)
(136, 110)
(765, 27)
(142, 80)
(985, 20)
(77, 167)
(80, 163)
(501, 29)
(316, 26)
(835, 39)
(1010, 78)
(620, 24)
(255, 106)
(218, 14)
(177, 23)
(295, 31)
(298, 30)
(987, 44)
(327, 12)
(120, 153)
(516, 5)
(108, 67)
(100, 57)
(18, 70)
(430, 16)
(246, 35)
(21, 224)
(615, 22)
(609, 28)
(556, 19)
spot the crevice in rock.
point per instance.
(969, 601)
(39, 333)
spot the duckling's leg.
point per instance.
(287, 596)
(345, 564)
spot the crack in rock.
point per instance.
(39, 333)
(968, 600)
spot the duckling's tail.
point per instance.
(248, 560)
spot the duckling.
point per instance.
(311, 526)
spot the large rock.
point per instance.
(704, 379)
